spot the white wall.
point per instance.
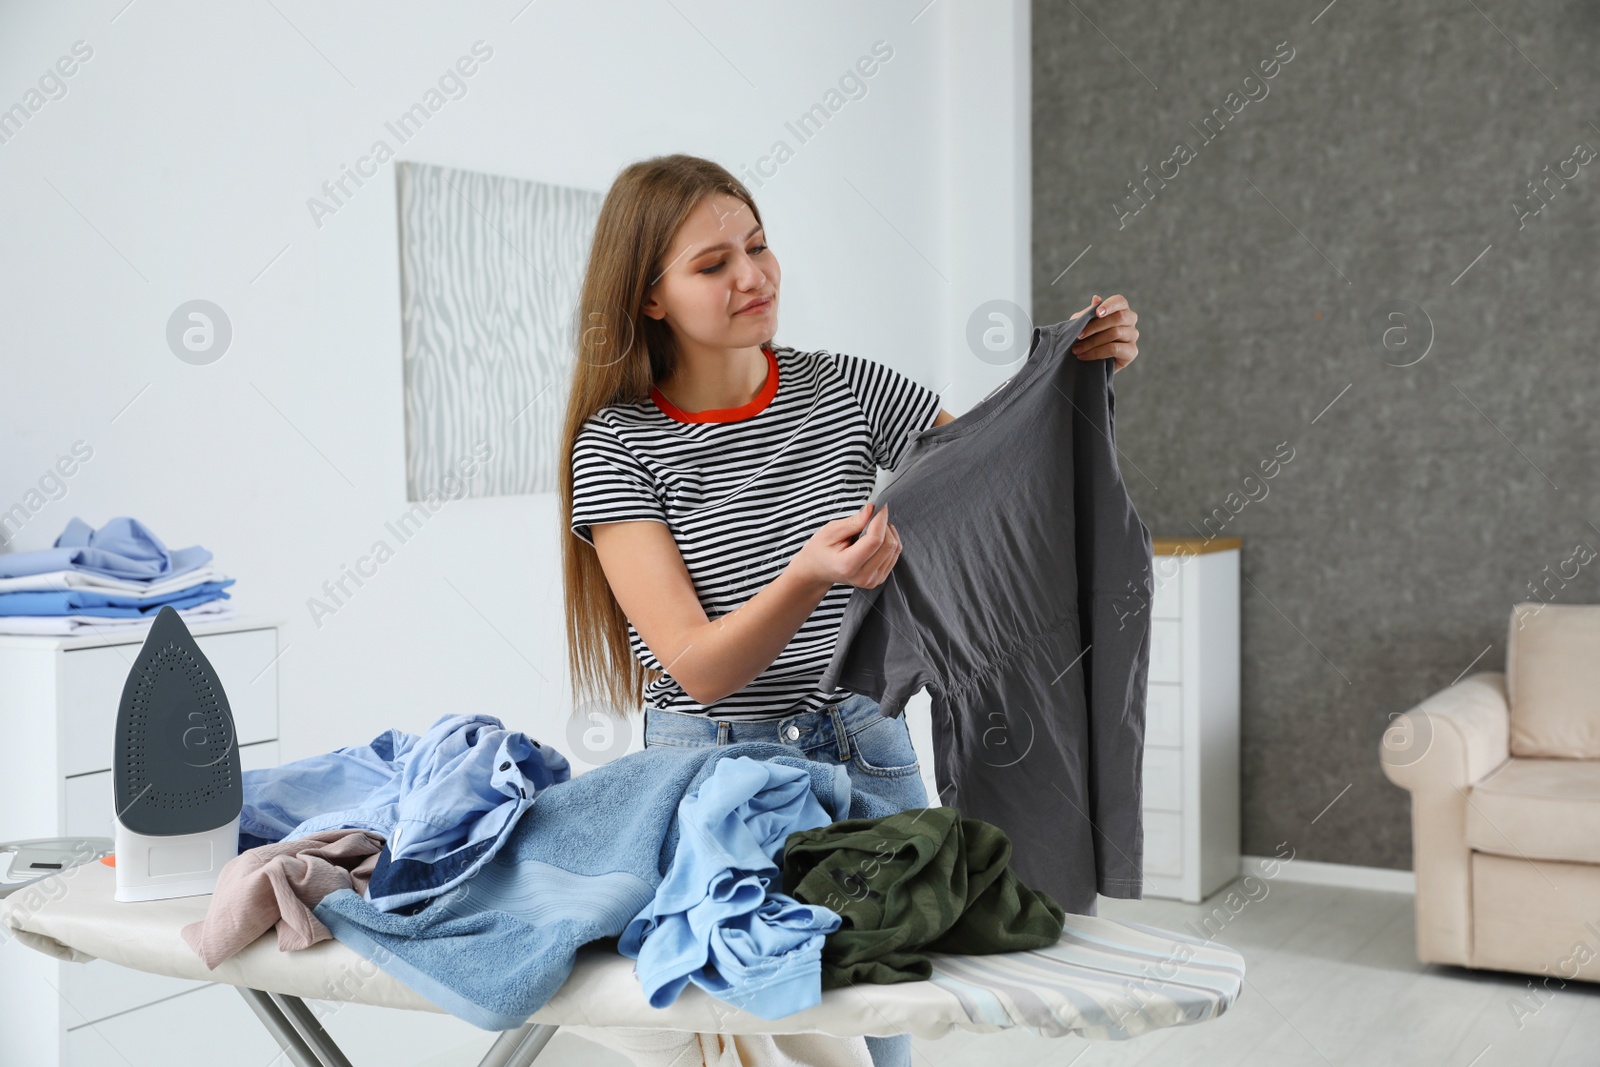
(179, 163)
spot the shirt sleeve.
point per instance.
(876, 653)
(609, 484)
(897, 407)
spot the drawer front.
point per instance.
(92, 688)
(1163, 715)
(1163, 779)
(1167, 603)
(89, 796)
(1166, 651)
(1163, 843)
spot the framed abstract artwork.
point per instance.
(490, 268)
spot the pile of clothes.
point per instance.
(471, 865)
(109, 580)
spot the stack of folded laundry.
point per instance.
(110, 580)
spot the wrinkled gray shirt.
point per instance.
(1021, 600)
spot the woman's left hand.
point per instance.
(1109, 332)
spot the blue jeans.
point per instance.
(876, 752)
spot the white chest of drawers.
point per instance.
(1191, 753)
(58, 712)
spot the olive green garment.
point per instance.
(923, 880)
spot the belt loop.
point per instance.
(839, 733)
(723, 730)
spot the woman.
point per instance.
(715, 484)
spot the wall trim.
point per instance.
(1345, 875)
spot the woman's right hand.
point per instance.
(831, 557)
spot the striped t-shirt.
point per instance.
(742, 490)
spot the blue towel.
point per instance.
(581, 863)
(107, 605)
(122, 548)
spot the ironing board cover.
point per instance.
(1105, 979)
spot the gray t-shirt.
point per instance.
(1021, 600)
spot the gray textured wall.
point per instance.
(1373, 168)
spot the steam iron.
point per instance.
(175, 770)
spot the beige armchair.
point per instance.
(1504, 774)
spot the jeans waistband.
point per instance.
(833, 724)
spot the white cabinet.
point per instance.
(1191, 740)
(58, 713)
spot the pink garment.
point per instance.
(278, 885)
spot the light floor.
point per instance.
(1331, 979)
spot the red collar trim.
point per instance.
(738, 414)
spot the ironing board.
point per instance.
(1104, 980)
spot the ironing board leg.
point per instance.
(281, 1029)
(310, 1031)
(298, 1033)
(518, 1048)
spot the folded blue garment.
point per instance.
(581, 863)
(720, 918)
(355, 787)
(443, 802)
(122, 548)
(109, 605)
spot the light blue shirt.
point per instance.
(443, 802)
(719, 917)
(122, 548)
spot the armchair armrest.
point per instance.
(1438, 750)
(1454, 738)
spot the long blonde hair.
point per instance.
(621, 352)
